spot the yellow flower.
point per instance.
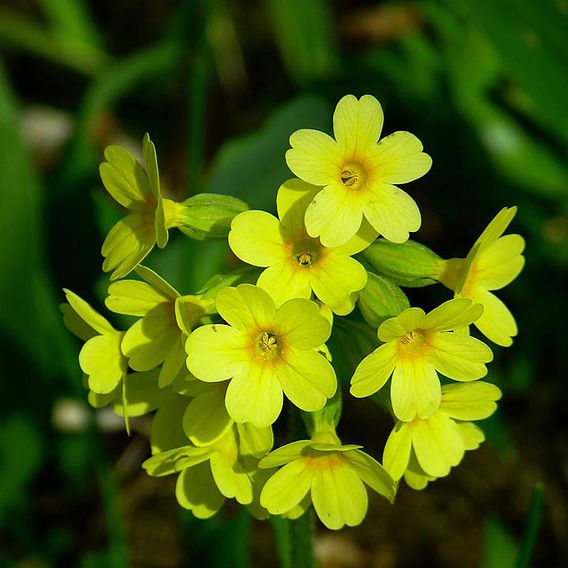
(298, 264)
(100, 357)
(264, 351)
(150, 215)
(326, 473)
(358, 175)
(209, 474)
(428, 448)
(493, 262)
(416, 347)
(166, 319)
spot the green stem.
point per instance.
(301, 541)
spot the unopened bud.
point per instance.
(381, 299)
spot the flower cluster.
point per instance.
(215, 368)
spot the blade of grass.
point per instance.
(531, 533)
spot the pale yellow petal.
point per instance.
(216, 352)
(101, 359)
(366, 235)
(496, 323)
(206, 419)
(284, 454)
(397, 450)
(399, 158)
(336, 277)
(231, 479)
(292, 200)
(458, 356)
(473, 401)
(392, 212)
(246, 307)
(374, 371)
(398, 326)
(301, 325)
(334, 216)
(438, 444)
(372, 473)
(89, 316)
(415, 389)
(287, 487)
(283, 282)
(452, 314)
(253, 441)
(133, 298)
(196, 490)
(472, 435)
(254, 395)
(307, 379)
(174, 361)
(157, 282)
(500, 262)
(357, 124)
(256, 238)
(314, 157)
(496, 227)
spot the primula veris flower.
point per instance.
(416, 346)
(358, 174)
(208, 475)
(297, 264)
(166, 319)
(326, 473)
(137, 188)
(264, 351)
(100, 358)
(493, 262)
(431, 447)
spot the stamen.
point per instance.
(268, 341)
(305, 259)
(408, 338)
(348, 177)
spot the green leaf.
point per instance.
(499, 547)
(531, 532)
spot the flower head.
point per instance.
(297, 264)
(416, 347)
(424, 449)
(264, 351)
(493, 262)
(150, 215)
(358, 174)
(326, 473)
(166, 319)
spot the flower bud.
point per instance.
(209, 215)
(381, 299)
(409, 264)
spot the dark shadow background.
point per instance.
(220, 85)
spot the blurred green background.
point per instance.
(220, 85)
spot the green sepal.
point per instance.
(208, 215)
(234, 277)
(408, 264)
(380, 299)
(326, 419)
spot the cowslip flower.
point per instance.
(358, 174)
(210, 474)
(264, 351)
(493, 262)
(326, 473)
(166, 319)
(297, 265)
(137, 188)
(438, 443)
(416, 346)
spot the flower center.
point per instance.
(267, 346)
(413, 344)
(306, 252)
(354, 176)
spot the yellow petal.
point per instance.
(500, 262)
(374, 371)
(254, 395)
(392, 212)
(142, 394)
(292, 200)
(157, 282)
(90, 317)
(253, 441)
(399, 158)
(357, 124)
(206, 419)
(415, 389)
(334, 215)
(300, 323)
(362, 239)
(174, 361)
(246, 307)
(285, 454)
(133, 298)
(472, 435)
(459, 356)
(372, 473)
(127, 244)
(398, 326)
(196, 490)
(216, 352)
(166, 431)
(474, 401)
(397, 450)
(496, 323)
(438, 444)
(314, 157)
(497, 227)
(124, 178)
(287, 487)
(231, 479)
(452, 314)
(101, 359)
(307, 379)
(284, 282)
(256, 238)
(336, 277)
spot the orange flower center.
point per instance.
(354, 175)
